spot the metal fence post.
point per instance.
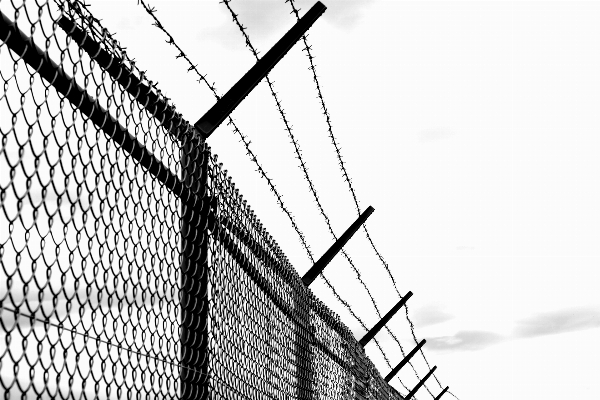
(194, 273)
(304, 337)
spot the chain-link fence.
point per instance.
(131, 267)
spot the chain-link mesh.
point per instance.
(131, 267)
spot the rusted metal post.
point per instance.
(320, 265)
(404, 361)
(414, 391)
(371, 334)
(221, 110)
(439, 396)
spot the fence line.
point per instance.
(156, 251)
(298, 152)
(313, 190)
(158, 24)
(171, 41)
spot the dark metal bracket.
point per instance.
(320, 265)
(371, 334)
(404, 361)
(439, 396)
(414, 391)
(225, 106)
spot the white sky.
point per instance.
(471, 128)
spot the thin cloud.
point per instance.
(259, 16)
(265, 19)
(357, 330)
(264, 16)
(430, 315)
(464, 341)
(344, 14)
(261, 19)
(434, 134)
(555, 322)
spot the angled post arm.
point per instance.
(371, 334)
(404, 361)
(224, 106)
(439, 396)
(416, 388)
(320, 265)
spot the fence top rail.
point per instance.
(88, 32)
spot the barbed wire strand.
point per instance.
(346, 177)
(297, 150)
(304, 169)
(231, 122)
(151, 11)
(345, 174)
(203, 79)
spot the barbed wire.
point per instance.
(345, 174)
(347, 179)
(298, 152)
(203, 79)
(361, 322)
(231, 122)
(304, 169)
(247, 144)
(151, 11)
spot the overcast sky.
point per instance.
(473, 130)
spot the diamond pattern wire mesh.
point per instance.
(131, 267)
